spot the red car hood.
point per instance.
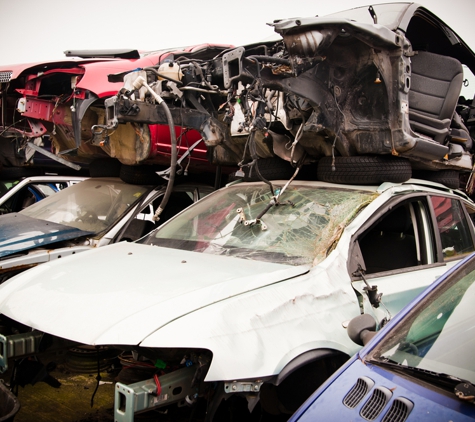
(94, 71)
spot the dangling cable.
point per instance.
(138, 83)
(98, 377)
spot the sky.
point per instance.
(33, 30)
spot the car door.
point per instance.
(405, 247)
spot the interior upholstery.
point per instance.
(436, 82)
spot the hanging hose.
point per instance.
(174, 158)
(138, 83)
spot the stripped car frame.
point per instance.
(347, 90)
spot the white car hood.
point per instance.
(122, 293)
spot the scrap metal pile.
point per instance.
(357, 96)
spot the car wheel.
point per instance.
(449, 178)
(272, 168)
(104, 167)
(139, 175)
(364, 170)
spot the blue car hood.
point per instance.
(20, 233)
(355, 388)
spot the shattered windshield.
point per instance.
(438, 334)
(92, 205)
(300, 229)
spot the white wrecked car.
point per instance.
(244, 297)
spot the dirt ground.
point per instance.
(71, 401)
(66, 393)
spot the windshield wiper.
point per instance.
(463, 389)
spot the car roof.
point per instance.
(418, 184)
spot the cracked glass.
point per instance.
(301, 229)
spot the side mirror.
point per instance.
(362, 329)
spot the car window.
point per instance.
(144, 222)
(46, 189)
(6, 185)
(468, 84)
(404, 236)
(401, 238)
(437, 334)
(28, 195)
(453, 226)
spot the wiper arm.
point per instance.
(242, 218)
(463, 389)
(258, 220)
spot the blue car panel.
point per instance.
(433, 380)
(20, 233)
(363, 392)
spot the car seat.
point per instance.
(436, 82)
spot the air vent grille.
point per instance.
(399, 410)
(375, 404)
(5, 76)
(357, 393)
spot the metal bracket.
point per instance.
(175, 387)
(242, 219)
(18, 345)
(53, 157)
(232, 65)
(372, 291)
(243, 386)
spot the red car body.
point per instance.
(64, 99)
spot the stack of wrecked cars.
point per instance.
(244, 297)
(369, 95)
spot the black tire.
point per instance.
(449, 178)
(19, 172)
(273, 168)
(139, 175)
(364, 170)
(105, 167)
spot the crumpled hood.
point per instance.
(20, 233)
(120, 294)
